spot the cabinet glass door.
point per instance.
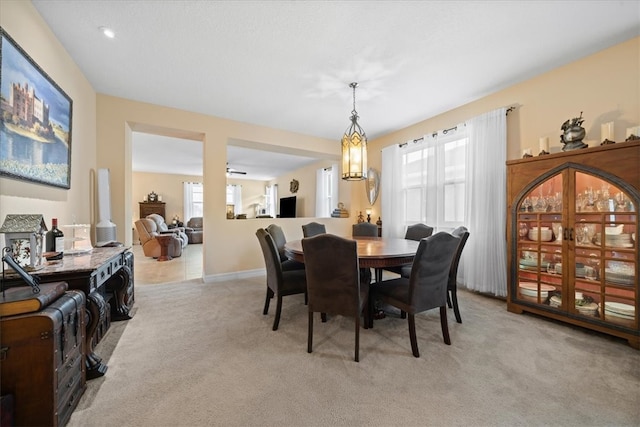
(540, 240)
(603, 232)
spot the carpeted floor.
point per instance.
(200, 354)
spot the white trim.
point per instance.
(246, 274)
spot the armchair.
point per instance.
(194, 229)
(147, 232)
(163, 228)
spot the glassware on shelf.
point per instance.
(540, 205)
(526, 204)
(557, 231)
(523, 229)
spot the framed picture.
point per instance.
(35, 120)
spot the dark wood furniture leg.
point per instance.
(96, 310)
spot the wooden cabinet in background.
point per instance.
(573, 227)
(148, 208)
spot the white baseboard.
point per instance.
(234, 275)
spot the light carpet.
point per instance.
(200, 354)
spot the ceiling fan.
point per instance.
(234, 171)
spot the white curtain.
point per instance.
(483, 267)
(391, 196)
(237, 199)
(187, 205)
(327, 182)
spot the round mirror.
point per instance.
(373, 185)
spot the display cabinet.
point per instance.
(572, 237)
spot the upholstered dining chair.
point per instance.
(333, 282)
(364, 229)
(279, 239)
(426, 288)
(313, 229)
(414, 232)
(279, 283)
(452, 286)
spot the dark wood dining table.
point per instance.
(373, 252)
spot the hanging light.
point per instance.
(354, 147)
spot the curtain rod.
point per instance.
(434, 134)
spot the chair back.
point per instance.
(195, 222)
(364, 229)
(462, 233)
(276, 233)
(313, 229)
(333, 276)
(159, 220)
(147, 230)
(271, 259)
(430, 271)
(418, 232)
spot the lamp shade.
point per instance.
(354, 153)
(354, 147)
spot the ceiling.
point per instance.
(288, 64)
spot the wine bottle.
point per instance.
(55, 238)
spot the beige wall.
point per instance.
(229, 246)
(168, 186)
(23, 23)
(605, 86)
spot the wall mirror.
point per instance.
(373, 185)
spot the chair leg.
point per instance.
(310, 333)
(412, 335)
(323, 317)
(266, 302)
(276, 321)
(306, 298)
(456, 309)
(370, 308)
(357, 358)
(403, 314)
(448, 299)
(445, 326)
(365, 314)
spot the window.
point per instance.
(234, 197)
(326, 191)
(434, 180)
(193, 200)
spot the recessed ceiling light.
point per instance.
(108, 32)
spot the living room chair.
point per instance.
(313, 229)
(147, 232)
(426, 288)
(333, 282)
(279, 239)
(163, 228)
(194, 229)
(279, 283)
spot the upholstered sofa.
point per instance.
(147, 233)
(164, 228)
(194, 229)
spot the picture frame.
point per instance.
(35, 120)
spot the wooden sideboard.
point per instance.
(148, 208)
(105, 275)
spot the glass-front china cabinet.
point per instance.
(572, 235)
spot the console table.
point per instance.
(105, 275)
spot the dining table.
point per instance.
(373, 252)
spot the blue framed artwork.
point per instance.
(35, 121)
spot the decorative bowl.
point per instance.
(544, 233)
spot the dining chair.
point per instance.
(279, 283)
(333, 282)
(364, 229)
(414, 232)
(452, 286)
(313, 229)
(426, 288)
(275, 231)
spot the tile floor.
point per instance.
(148, 271)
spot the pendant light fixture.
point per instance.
(354, 147)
